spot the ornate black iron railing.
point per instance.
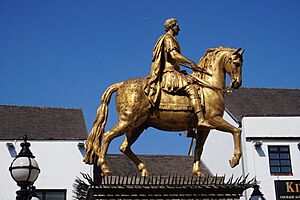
(168, 187)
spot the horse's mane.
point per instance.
(210, 55)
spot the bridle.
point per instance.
(232, 72)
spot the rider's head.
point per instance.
(170, 24)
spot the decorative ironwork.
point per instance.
(169, 187)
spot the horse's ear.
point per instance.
(237, 51)
(242, 52)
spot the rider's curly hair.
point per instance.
(170, 23)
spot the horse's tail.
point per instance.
(93, 142)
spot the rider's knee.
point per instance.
(191, 91)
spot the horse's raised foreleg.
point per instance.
(118, 130)
(125, 148)
(220, 124)
(201, 137)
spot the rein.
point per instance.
(205, 84)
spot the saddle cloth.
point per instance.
(174, 102)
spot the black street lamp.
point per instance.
(256, 194)
(25, 170)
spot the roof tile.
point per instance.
(41, 123)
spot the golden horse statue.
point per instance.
(173, 114)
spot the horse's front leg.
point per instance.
(220, 124)
(201, 137)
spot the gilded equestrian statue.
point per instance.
(171, 101)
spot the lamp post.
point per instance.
(256, 194)
(25, 170)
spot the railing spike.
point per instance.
(169, 179)
(245, 178)
(199, 180)
(216, 178)
(173, 178)
(207, 181)
(124, 180)
(127, 179)
(252, 180)
(240, 179)
(119, 180)
(230, 180)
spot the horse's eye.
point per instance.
(237, 64)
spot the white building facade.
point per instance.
(270, 124)
(57, 138)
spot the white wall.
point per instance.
(270, 130)
(271, 126)
(60, 162)
(257, 160)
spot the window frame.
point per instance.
(278, 153)
(52, 190)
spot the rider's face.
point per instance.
(176, 29)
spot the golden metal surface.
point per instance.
(168, 100)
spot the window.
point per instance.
(52, 194)
(280, 160)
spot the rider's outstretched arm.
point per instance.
(175, 55)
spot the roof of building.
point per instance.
(157, 165)
(263, 102)
(41, 123)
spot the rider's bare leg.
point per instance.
(192, 93)
(125, 148)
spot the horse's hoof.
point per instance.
(144, 173)
(233, 162)
(86, 160)
(197, 169)
(197, 173)
(142, 168)
(105, 170)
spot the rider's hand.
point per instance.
(194, 65)
(184, 72)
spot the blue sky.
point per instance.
(66, 53)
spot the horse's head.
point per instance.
(219, 61)
(233, 66)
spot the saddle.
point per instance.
(174, 102)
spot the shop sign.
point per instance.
(288, 189)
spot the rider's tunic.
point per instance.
(165, 72)
(172, 79)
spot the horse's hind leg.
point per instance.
(201, 137)
(118, 130)
(125, 148)
(220, 124)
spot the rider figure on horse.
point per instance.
(165, 73)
